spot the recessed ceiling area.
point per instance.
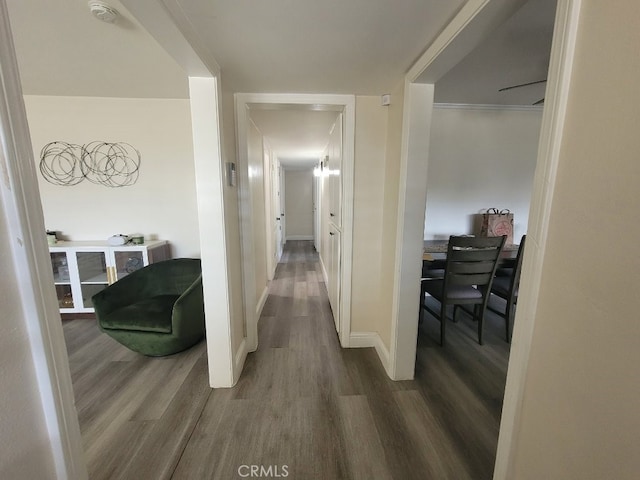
(515, 53)
(298, 136)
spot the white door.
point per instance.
(279, 213)
(271, 211)
(334, 274)
(316, 211)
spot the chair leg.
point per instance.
(455, 309)
(480, 322)
(443, 322)
(508, 319)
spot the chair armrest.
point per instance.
(188, 311)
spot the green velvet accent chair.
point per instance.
(157, 310)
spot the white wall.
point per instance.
(25, 450)
(480, 158)
(161, 204)
(389, 213)
(582, 391)
(369, 179)
(298, 187)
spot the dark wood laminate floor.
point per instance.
(302, 401)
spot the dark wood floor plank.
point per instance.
(364, 450)
(163, 447)
(439, 453)
(302, 400)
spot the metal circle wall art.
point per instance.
(102, 163)
(60, 163)
(110, 164)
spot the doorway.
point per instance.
(454, 43)
(249, 107)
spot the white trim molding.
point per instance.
(299, 237)
(239, 359)
(371, 340)
(474, 106)
(261, 301)
(553, 119)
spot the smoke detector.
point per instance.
(103, 11)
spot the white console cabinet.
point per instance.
(82, 269)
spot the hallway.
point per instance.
(302, 401)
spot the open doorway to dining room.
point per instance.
(459, 39)
(485, 132)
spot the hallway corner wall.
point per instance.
(369, 185)
(232, 226)
(390, 213)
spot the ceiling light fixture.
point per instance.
(103, 11)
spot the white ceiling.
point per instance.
(317, 46)
(297, 137)
(63, 50)
(516, 53)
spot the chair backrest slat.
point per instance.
(475, 279)
(474, 255)
(472, 260)
(471, 267)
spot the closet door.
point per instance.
(335, 175)
(334, 274)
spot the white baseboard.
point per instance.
(371, 339)
(241, 356)
(324, 271)
(261, 302)
(299, 237)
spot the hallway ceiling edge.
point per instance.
(360, 47)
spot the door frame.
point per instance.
(244, 102)
(456, 40)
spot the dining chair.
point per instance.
(506, 287)
(468, 274)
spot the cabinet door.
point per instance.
(62, 280)
(127, 261)
(92, 277)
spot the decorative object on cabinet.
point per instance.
(118, 239)
(82, 269)
(52, 237)
(137, 238)
(103, 163)
(157, 310)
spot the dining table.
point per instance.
(434, 254)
